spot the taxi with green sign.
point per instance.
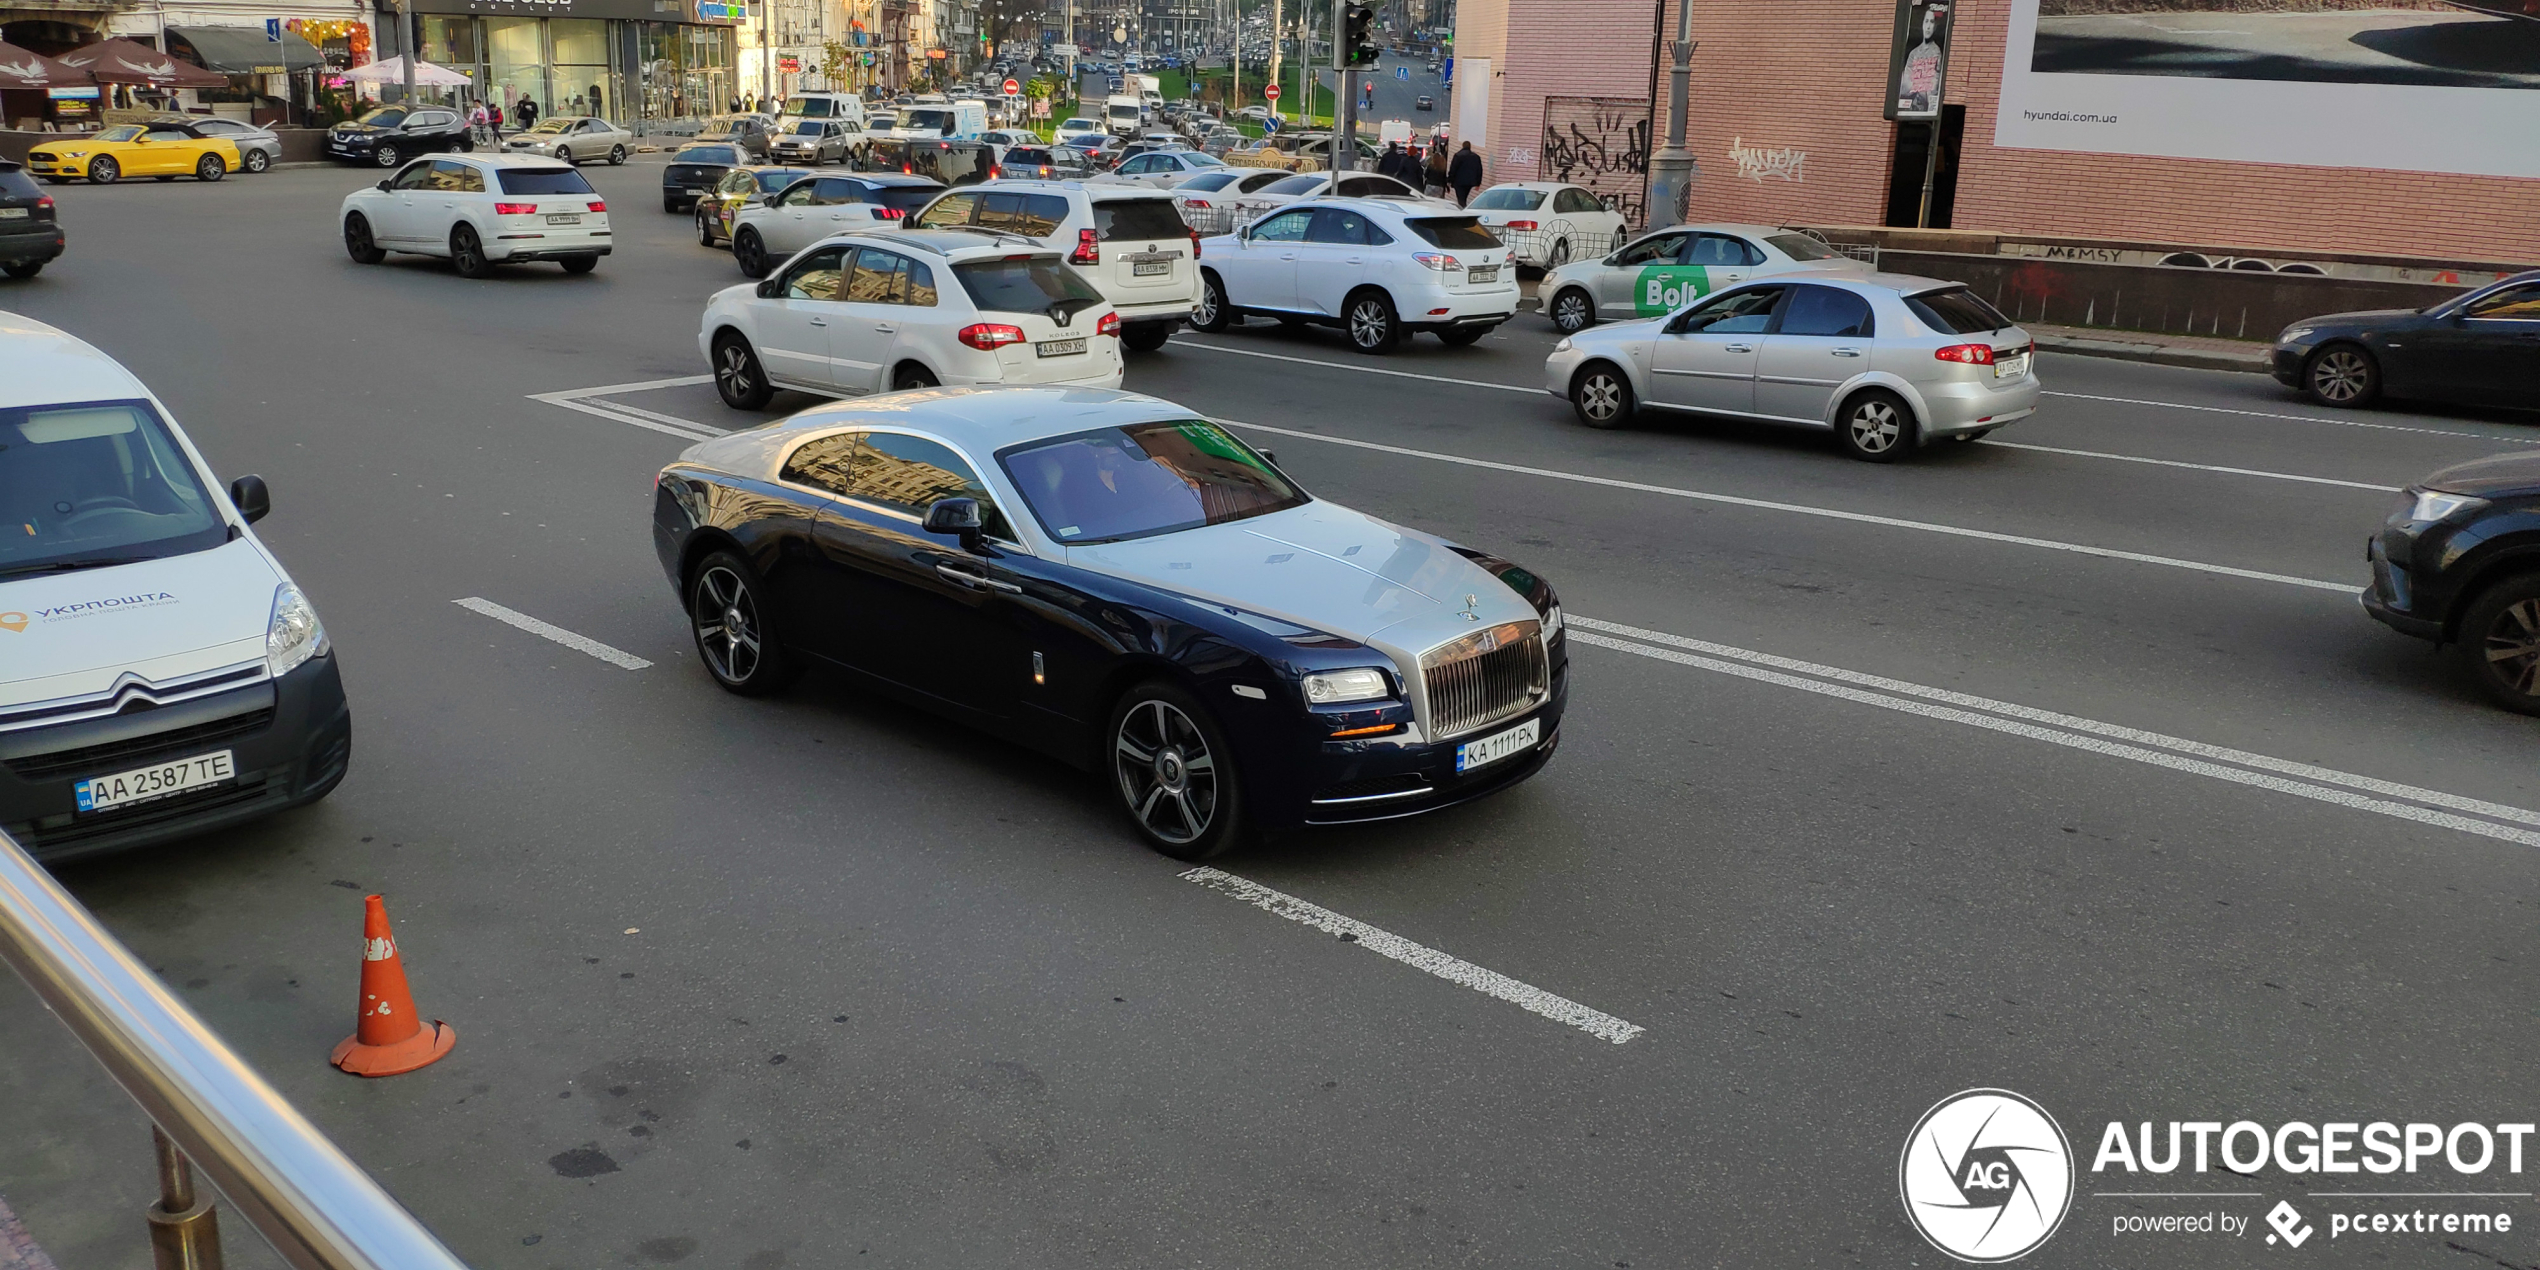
(1664, 270)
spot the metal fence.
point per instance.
(211, 1111)
(1557, 242)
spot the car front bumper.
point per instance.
(290, 741)
(1352, 782)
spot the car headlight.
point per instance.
(2292, 333)
(1563, 346)
(74, 154)
(294, 635)
(2433, 505)
(1552, 624)
(1336, 687)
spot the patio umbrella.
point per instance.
(124, 62)
(22, 69)
(393, 71)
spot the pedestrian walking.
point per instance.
(1433, 175)
(476, 120)
(528, 113)
(1464, 174)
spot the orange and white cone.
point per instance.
(389, 1037)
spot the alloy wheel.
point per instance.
(728, 630)
(1601, 397)
(1368, 324)
(2339, 375)
(1875, 426)
(104, 171)
(385, 156)
(1204, 310)
(1570, 312)
(733, 375)
(258, 161)
(1166, 772)
(2512, 646)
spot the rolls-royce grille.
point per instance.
(1484, 677)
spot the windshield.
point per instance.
(1507, 201)
(120, 132)
(706, 154)
(1122, 111)
(811, 107)
(542, 181)
(929, 120)
(1957, 311)
(1074, 125)
(384, 117)
(1801, 247)
(1148, 218)
(1305, 184)
(1145, 479)
(552, 125)
(1028, 284)
(1452, 232)
(100, 483)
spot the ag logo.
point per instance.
(1986, 1175)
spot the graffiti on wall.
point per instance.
(1602, 145)
(1755, 165)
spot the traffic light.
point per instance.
(1358, 36)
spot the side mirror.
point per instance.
(957, 516)
(770, 288)
(248, 495)
(382, 186)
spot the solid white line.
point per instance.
(2272, 414)
(611, 390)
(2199, 467)
(2219, 753)
(2045, 544)
(578, 643)
(2155, 758)
(686, 428)
(1384, 943)
(1185, 341)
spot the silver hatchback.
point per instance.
(1885, 361)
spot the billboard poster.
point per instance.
(1918, 59)
(2405, 85)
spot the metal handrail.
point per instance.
(317, 1208)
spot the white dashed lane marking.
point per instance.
(617, 657)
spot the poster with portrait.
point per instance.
(2403, 85)
(1918, 61)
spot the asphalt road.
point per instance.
(817, 981)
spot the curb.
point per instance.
(2158, 354)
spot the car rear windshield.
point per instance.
(1305, 183)
(1801, 247)
(542, 181)
(1145, 479)
(97, 484)
(1507, 201)
(1138, 218)
(928, 121)
(1956, 311)
(1028, 284)
(1452, 232)
(1027, 156)
(909, 199)
(14, 183)
(809, 107)
(706, 154)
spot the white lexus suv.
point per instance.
(479, 211)
(1380, 269)
(1130, 242)
(890, 310)
(159, 673)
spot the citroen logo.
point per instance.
(1471, 604)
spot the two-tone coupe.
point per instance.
(1113, 580)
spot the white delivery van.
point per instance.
(160, 675)
(1149, 90)
(957, 120)
(823, 106)
(1123, 115)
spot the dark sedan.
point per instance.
(694, 172)
(29, 235)
(2458, 562)
(1110, 580)
(2481, 349)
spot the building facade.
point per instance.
(2057, 118)
(621, 59)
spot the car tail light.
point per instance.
(44, 202)
(1967, 354)
(598, 206)
(1194, 244)
(1434, 260)
(1201, 202)
(1088, 249)
(889, 213)
(1521, 224)
(1109, 325)
(515, 209)
(989, 336)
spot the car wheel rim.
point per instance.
(748, 249)
(104, 171)
(1166, 772)
(1367, 324)
(732, 372)
(1600, 397)
(1569, 312)
(466, 250)
(2513, 647)
(1875, 427)
(1205, 312)
(728, 631)
(256, 162)
(357, 237)
(387, 156)
(2339, 376)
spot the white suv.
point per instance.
(1380, 269)
(480, 210)
(884, 311)
(766, 231)
(1131, 243)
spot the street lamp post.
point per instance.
(1672, 170)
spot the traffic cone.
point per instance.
(389, 1037)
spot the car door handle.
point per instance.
(1287, 255)
(1354, 260)
(1847, 352)
(886, 328)
(820, 321)
(1738, 348)
(962, 577)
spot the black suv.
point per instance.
(29, 236)
(2458, 562)
(390, 135)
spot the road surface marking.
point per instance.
(2200, 467)
(2325, 785)
(1892, 522)
(578, 643)
(1187, 342)
(2271, 414)
(1385, 943)
(619, 412)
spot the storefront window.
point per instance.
(516, 62)
(581, 71)
(708, 78)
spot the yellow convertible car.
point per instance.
(164, 148)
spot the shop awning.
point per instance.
(242, 50)
(22, 69)
(124, 62)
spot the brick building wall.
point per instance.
(1794, 87)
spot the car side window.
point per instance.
(1815, 310)
(880, 277)
(906, 474)
(816, 276)
(798, 196)
(921, 285)
(414, 176)
(2513, 304)
(949, 211)
(1654, 249)
(830, 191)
(448, 177)
(1339, 225)
(1737, 313)
(826, 463)
(1717, 250)
(1286, 227)
(1032, 215)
